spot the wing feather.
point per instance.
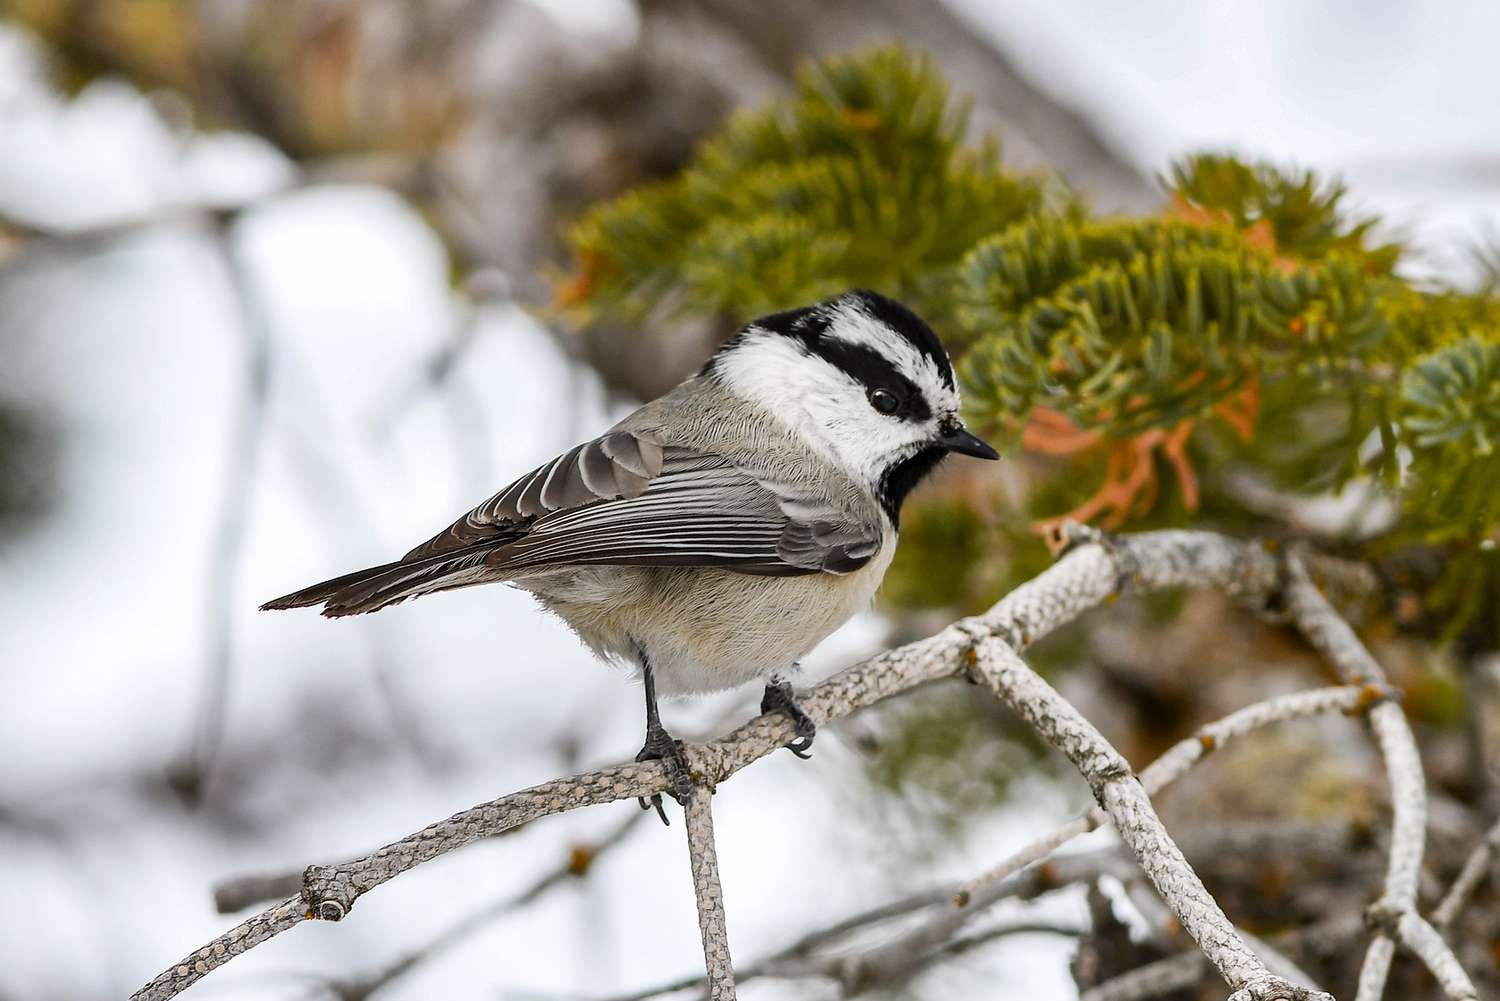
(700, 510)
(620, 500)
(617, 465)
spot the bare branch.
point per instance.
(1116, 789)
(1096, 568)
(192, 773)
(884, 967)
(1476, 868)
(1186, 970)
(1174, 763)
(244, 891)
(578, 862)
(1332, 636)
(328, 892)
(241, 938)
(1180, 972)
(1423, 941)
(1175, 973)
(710, 896)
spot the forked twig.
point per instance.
(985, 648)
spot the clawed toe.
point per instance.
(779, 698)
(660, 746)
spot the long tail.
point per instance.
(374, 588)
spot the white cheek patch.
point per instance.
(820, 404)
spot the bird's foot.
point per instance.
(779, 698)
(661, 746)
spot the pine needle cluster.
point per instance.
(1251, 328)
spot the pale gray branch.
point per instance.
(1117, 790)
(1175, 762)
(704, 860)
(1186, 970)
(1317, 620)
(1423, 941)
(899, 958)
(984, 647)
(240, 892)
(1476, 868)
(1181, 972)
(1174, 973)
(579, 861)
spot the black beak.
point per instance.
(958, 438)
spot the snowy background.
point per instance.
(140, 356)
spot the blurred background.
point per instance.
(276, 287)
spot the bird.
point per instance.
(721, 531)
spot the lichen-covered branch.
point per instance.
(1185, 970)
(578, 861)
(1118, 792)
(704, 859)
(1327, 631)
(1175, 762)
(985, 647)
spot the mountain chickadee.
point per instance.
(721, 531)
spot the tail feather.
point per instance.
(374, 588)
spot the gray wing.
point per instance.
(614, 466)
(618, 500)
(701, 510)
(625, 500)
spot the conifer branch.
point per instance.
(1254, 309)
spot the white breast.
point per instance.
(708, 629)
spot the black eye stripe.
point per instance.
(872, 370)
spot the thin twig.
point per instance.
(1186, 970)
(853, 974)
(1116, 789)
(1151, 980)
(1476, 868)
(1174, 763)
(704, 860)
(1316, 619)
(193, 772)
(893, 959)
(1092, 572)
(239, 892)
(579, 861)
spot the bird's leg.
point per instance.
(780, 698)
(661, 746)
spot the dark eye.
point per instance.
(884, 401)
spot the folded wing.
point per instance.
(619, 500)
